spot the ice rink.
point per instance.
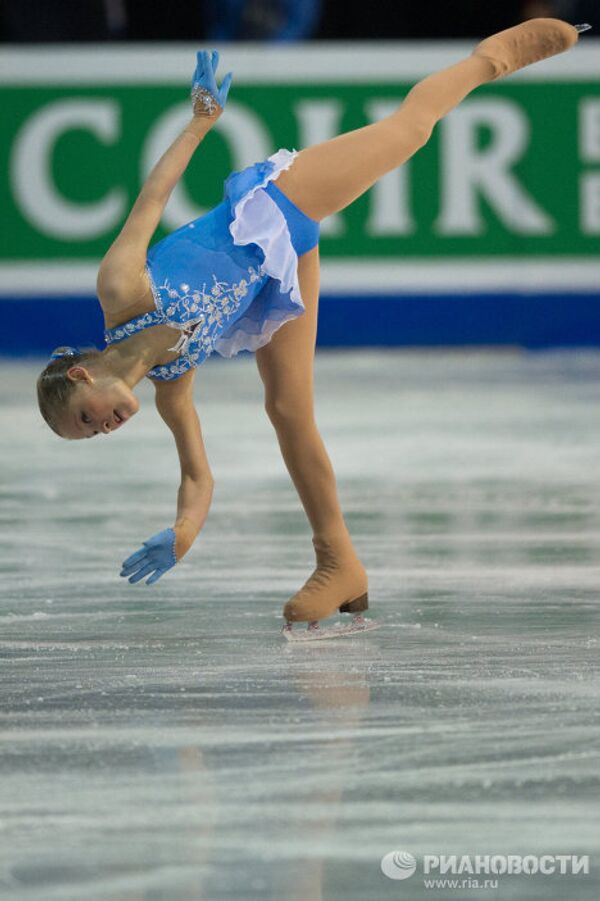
(163, 743)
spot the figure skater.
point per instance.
(246, 277)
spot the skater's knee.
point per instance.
(287, 411)
(415, 130)
(424, 128)
(418, 116)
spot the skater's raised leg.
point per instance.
(327, 177)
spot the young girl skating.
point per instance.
(246, 277)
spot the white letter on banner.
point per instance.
(242, 129)
(589, 203)
(589, 130)
(34, 192)
(469, 171)
(319, 120)
(390, 214)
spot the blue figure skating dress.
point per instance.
(228, 280)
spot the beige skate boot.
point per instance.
(527, 43)
(339, 582)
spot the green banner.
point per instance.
(514, 172)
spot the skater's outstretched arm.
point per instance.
(175, 403)
(121, 277)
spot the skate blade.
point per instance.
(340, 630)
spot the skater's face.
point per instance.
(98, 405)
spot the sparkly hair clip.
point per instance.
(66, 352)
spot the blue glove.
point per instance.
(156, 557)
(204, 86)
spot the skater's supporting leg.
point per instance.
(285, 365)
(327, 177)
(286, 368)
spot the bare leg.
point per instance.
(285, 365)
(327, 177)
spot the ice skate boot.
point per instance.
(339, 582)
(527, 43)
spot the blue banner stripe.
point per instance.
(32, 326)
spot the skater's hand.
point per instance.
(207, 99)
(153, 559)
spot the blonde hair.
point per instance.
(54, 387)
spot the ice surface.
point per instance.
(164, 742)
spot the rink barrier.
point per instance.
(531, 321)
